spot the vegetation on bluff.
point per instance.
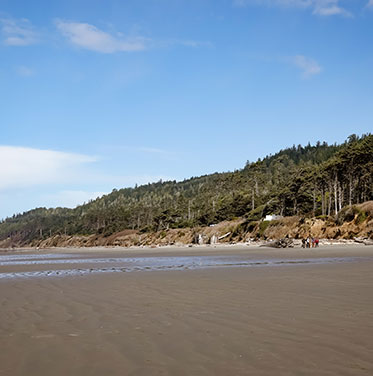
(314, 180)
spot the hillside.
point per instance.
(311, 181)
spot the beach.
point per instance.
(187, 311)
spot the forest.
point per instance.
(312, 180)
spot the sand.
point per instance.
(242, 317)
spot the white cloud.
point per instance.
(308, 66)
(318, 7)
(24, 167)
(370, 4)
(18, 32)
(46, 178)
(91, 38)
(329, 8)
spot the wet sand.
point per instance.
(206, 311)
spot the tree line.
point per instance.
(314, 180)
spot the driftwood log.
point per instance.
(365, 241)
(224, 236)
(281, 243)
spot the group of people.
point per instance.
(310, 242)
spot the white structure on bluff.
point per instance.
(272, 217)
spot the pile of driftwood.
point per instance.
(365, 241)
(281, 243)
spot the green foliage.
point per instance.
(256, 214)
(361, 217)
(263, 226)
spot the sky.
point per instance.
(104, 94)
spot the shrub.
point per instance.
(361, 217)
(263, 226)
(347, 214)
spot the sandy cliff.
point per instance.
(351, 222)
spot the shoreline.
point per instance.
(252, 244)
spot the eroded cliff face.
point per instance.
(352, 222)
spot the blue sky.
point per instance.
(97, 94)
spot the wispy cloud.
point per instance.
(89, 37)
(35, 177)
(318, 7)
(308, 66)
(329, 8)
(370, 4)
(24, 167)
(18, 32)
(24, 71)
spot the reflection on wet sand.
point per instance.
(59, 264)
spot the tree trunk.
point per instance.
(340, 191)
(350, 193)
(330, 200)
(253, 200)
(256, 187)
(314, 201)
(335, 196)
